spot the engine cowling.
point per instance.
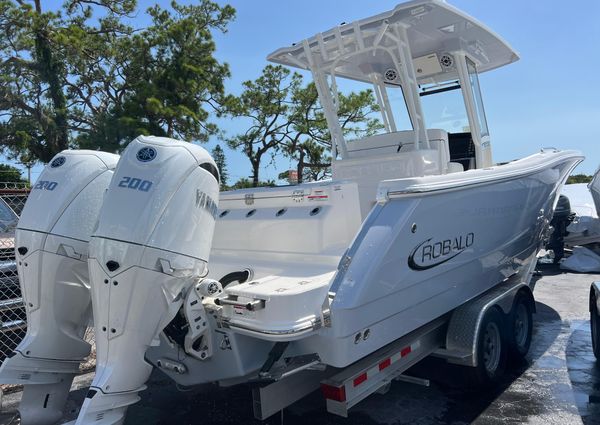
(51, 243)
(152, 243)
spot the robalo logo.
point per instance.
(429, 254)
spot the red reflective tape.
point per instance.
(405, 351)
(333, 393)
(385, 364)
(318, 197)
(360, 379)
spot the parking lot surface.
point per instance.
(558, 384)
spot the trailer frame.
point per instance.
(452, 337)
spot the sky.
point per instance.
(549, 98)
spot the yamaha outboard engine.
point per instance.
(152, 243)
(560, 221)
(51, 241)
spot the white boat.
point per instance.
(583, 228)
(413, 224)
(594, 187)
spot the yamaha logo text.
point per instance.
(430, 253)
(206, 202)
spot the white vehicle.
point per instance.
(595, 318)
(581, 227)
(418, 245)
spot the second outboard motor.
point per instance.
(51, 241)
(560, 221)
(152, 244)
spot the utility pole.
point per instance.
(26, 162)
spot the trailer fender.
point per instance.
(526, 292)
(465, 322)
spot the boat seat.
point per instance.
(291, 303)
(376, 158)
(455, 167)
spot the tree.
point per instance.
(245, 183)
(579, 178)
(314, 161)
(309, 142)
(172, 80)
(8, 173)
(219, 157)
(80, 77)
(286, 118)
(265, 104)
(39, 94)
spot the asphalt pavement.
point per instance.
(559, 383)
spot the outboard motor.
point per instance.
(560, 221)
(152, 244)
(51, 241)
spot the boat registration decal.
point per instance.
(429, 254)
(318, 195)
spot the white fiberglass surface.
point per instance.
(67, 195)
(432, 27)
(511, 170)
(581, 200)
(175, 209)
(289, 223)
(409, 267)
(595, 190)
(291, 282)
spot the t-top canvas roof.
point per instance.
(433, 27)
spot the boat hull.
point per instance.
(594, 187)
(427, 248)
(429, 245)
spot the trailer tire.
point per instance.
(491, 350)
(595, 325)
(520, 328)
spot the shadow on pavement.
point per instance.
(546, 269)
(584, 372)
(448, 400)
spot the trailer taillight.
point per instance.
(385, 363)
(360, 379)
(333, 393)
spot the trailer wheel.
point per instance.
(520, 328)
(595, 325)
(491, 350)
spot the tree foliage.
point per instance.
(245, 183)
(8, 173)
(219, 157)
(309, 141)
(286, 117)
(264, 103)
(579, 178)
(80, 77)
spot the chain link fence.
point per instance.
(13, 320)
